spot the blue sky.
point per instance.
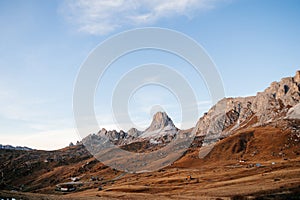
(44, 43)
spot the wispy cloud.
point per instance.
(99, 17)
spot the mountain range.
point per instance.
(15, 148)
(275, 106)
(242, 147)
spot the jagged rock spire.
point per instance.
(159, 121)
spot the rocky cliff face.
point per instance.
(267, 107)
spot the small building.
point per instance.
(68, 187)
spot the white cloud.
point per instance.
(99, 17)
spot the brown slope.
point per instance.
(260, 144)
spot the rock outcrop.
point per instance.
(160, 121)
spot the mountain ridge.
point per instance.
(10, 147)
(266, 107)
(225, 117)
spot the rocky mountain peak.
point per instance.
(102, 132)
(160, 120)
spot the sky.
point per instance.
(44, 43)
